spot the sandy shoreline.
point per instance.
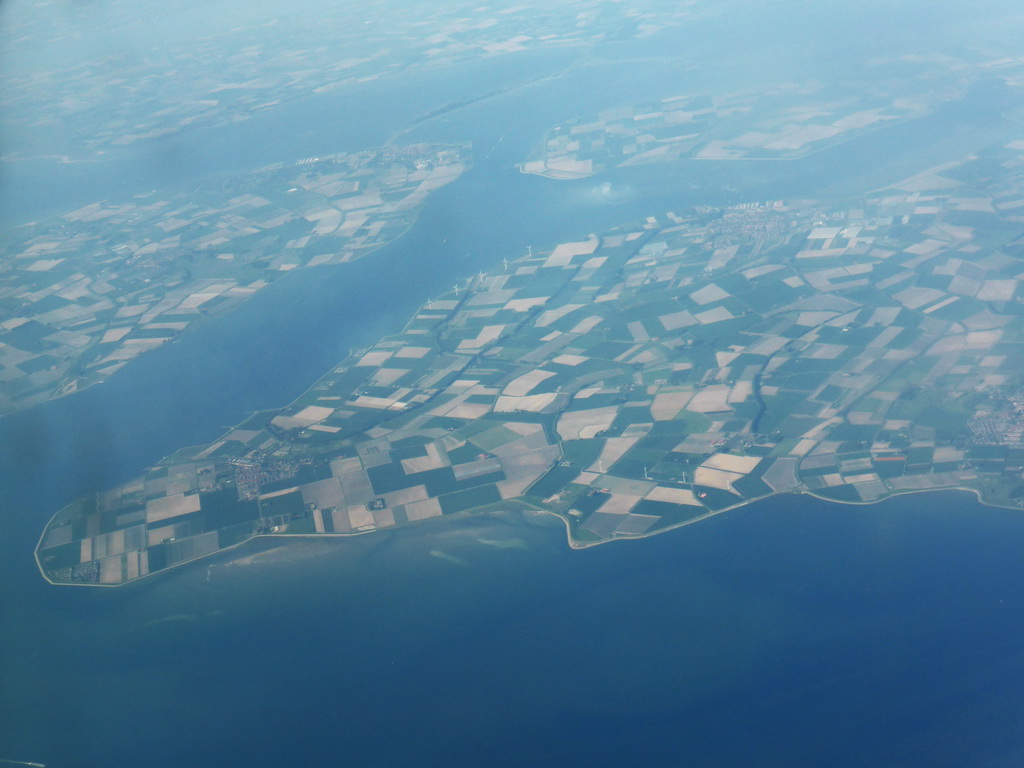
(572, 542)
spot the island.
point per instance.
(83, 293)
(789, 122)
(783, 121)
(635, 381)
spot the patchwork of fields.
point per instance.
(637, 381)
(86, 292)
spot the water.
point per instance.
(791, 632)
(787, 633)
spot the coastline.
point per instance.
(573, 543)
(577, 544)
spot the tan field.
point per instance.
(674, 496)
(575, 424)
(171, 506)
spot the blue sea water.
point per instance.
(789, 633)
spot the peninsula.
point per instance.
(636, 381)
